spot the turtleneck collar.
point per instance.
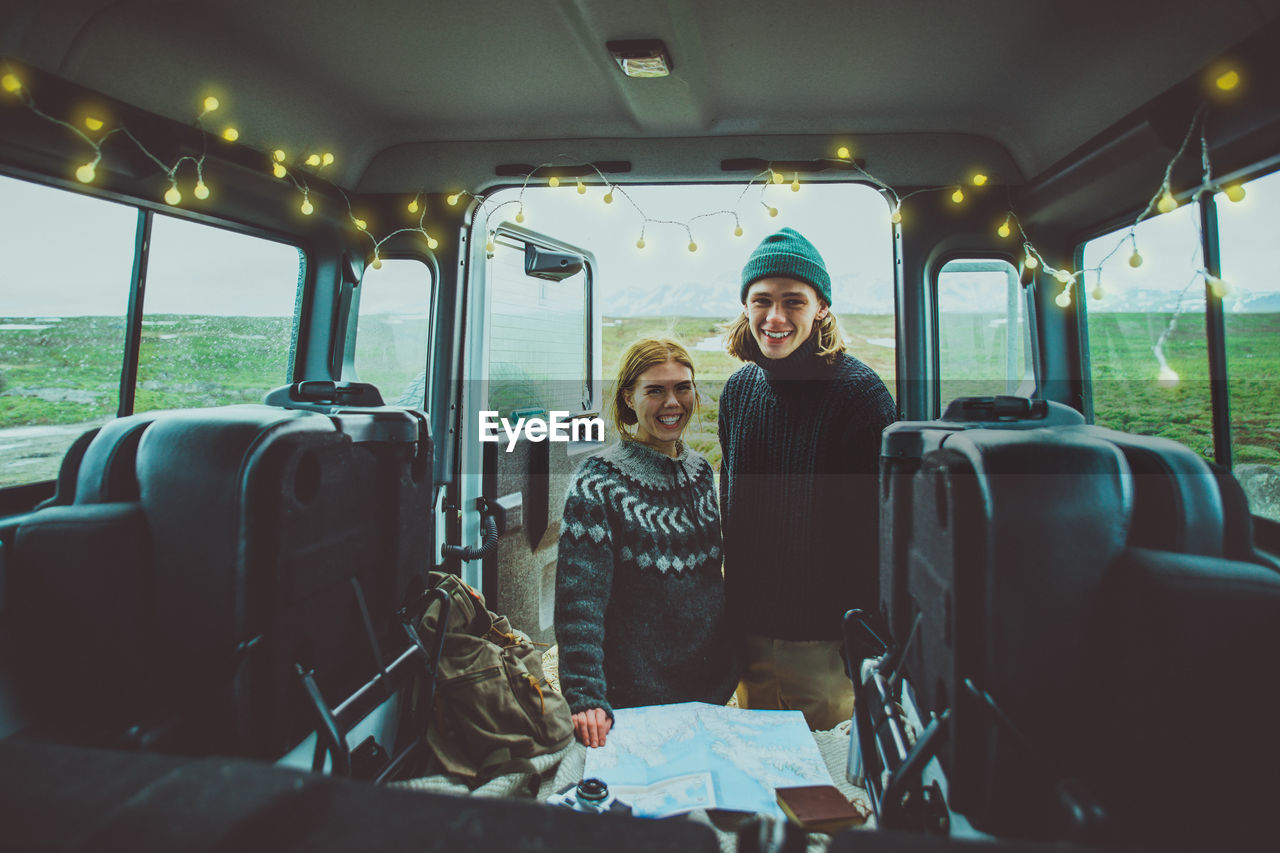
(804, 363)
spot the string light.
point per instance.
(1217, 286)
(693, 247)
(230, 134)
(608, 197)
(1168, 377)
(210, 104)
(326, 159)
(1167, 202)
(957, 196)
(1228, 81)
(412, 206)
(278, 155)
(11, 83)
(201, 191)
(795, 183)
(1030, 261)
(776, 177)
(843, 152)
(1063, 276)
(1004, 230)
(93, 123)
(553, 181)
(1234, 192)
(979, 179)
(489, 245)
(520, 214)
(306, 207)
(896, 216)
(377, 263)
(737, 230)
(582, 188)
(640, 243)
(773, 211)
(278, 170)
(1097, 289)
(313, 160)
(1063, 299)
(452, 200)
(172, 195)
(362, 225)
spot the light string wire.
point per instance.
(1162, 201)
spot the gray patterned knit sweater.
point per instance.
(639, 591)
(799, 492)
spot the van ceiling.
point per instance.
(426, 94)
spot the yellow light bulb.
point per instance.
(1031, 261)
(327, 159)
(608, 198)
(795, 185)
(86, 173)
(307, 207)
(737, 231)
(693, 247)
(377, 263)
(362, 225)
(278, 154)
(1168, 377)
(313, 160)
(172, 196)
(777, 177)
(773, 211)
(1228, 81)
(843, 152)
(210, 104)
(1218, 287)
(553, 181)
(278, 170)
(1063, 276)
(231, 134)
(1004, 230)
(489, 245)
(582, 188)
(11, 83)
(979, 179)
(640, 243)
(520, 215)
(433, 243)
(1063, 300)
(452, 200)
(1097, 292)
(1167, 202)
(1235, 192)
(958, 195)
(201, 191)
(93, 123)
(1135, 260)
(896, 216)
(412, 207)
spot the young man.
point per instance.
(800, 428)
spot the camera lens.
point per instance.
(592, 791)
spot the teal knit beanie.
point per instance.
(789, 255)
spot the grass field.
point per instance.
(66, 371)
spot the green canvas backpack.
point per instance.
(493, 707)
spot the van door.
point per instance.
(530, 410)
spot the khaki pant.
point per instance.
(797, 675)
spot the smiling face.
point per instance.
(663, 399)
(782, 313)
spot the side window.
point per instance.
(1147, 343)
(1248, 232)
(218, 316)
(537, 335)
(393, 328)
(67, 261)
(984, 340)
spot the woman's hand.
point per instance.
(591, 726)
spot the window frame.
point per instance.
(1267, 531)
(135, 306)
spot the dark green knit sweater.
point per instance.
(798, 492)
(639, 591)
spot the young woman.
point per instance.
(639, 591)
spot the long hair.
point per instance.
(638, 358)
(742, 345)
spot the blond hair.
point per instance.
(742, 345)
(638, 358)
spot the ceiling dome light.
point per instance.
(641, 57)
